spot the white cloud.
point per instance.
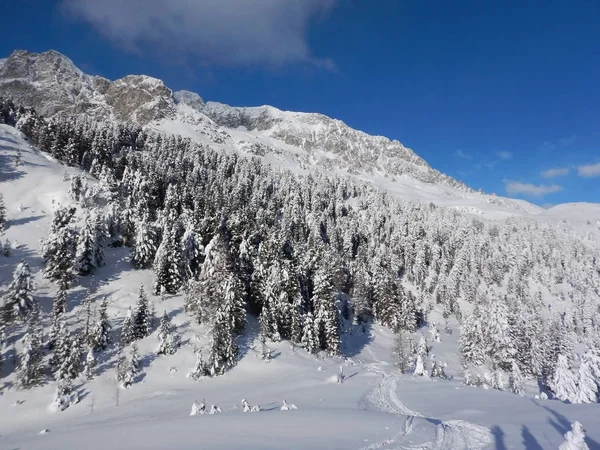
(568, 140)
(504, 155)
(533, 190)
(589, 170)
(460, 154)
(223, 32)
(557, 172)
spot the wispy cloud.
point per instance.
(461, 155)
(504, 155)
(218, 32)
(568, 140)
(562, 142)
(589, 170)
(557, 172)
(532, 190)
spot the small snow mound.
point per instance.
(198, 408)
(288, 406)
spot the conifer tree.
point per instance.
(141, 320)
(586, 383)
(2, 212)
(101, 330)
(89, 370)
(61, 349)
(59, 308)
(437, 370)
(72, 365)
(128, 334)
(86, 247)
(310, 338)
(30, 370)
(144, 247)
(168, 339)
(326, 313)
(18, 300)
(515, 381)
(134, 361)
(167, 263)
(563, 383)
(575, 439)
(59, 249)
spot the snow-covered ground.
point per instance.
(375, 407)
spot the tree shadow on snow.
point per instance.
(8, 264)
(9, 173)
(355, 339)
(23, 220)
(498, 434)
(563, 425)
(247, 339)
(529, 440)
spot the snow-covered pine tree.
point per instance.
(230, 320)
(65, 396)
(101, 234)
(437, 370)
(86, 247)
(72, 365)
(363, 296)
(401, 352)
(200, 368)
(134, 361)
(167, 263)
(61, 349)
(59, 249)
(191, 251)
(128, 334)
(516, 381)
(575, 439)
(144, 246)
(587, 386)
(59, 307)
(498, 379)
(6, 248)
(30, 371)
(421, 354)
(141, 318)
(123, 371)
(223, 349)
(18, 300)
(2, 212)
(326, 314)
(471, 341)
(310, 337)
(563, 383)
(168, 339)
(101, 331)
(89, 369)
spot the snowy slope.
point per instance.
(374, 408)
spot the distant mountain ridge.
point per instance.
(54, 86)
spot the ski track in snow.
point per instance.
(449, 435)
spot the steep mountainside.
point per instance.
(53, 85)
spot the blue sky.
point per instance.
(504, 95)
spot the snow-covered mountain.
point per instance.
(53, 85)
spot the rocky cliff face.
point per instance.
(53, 85)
